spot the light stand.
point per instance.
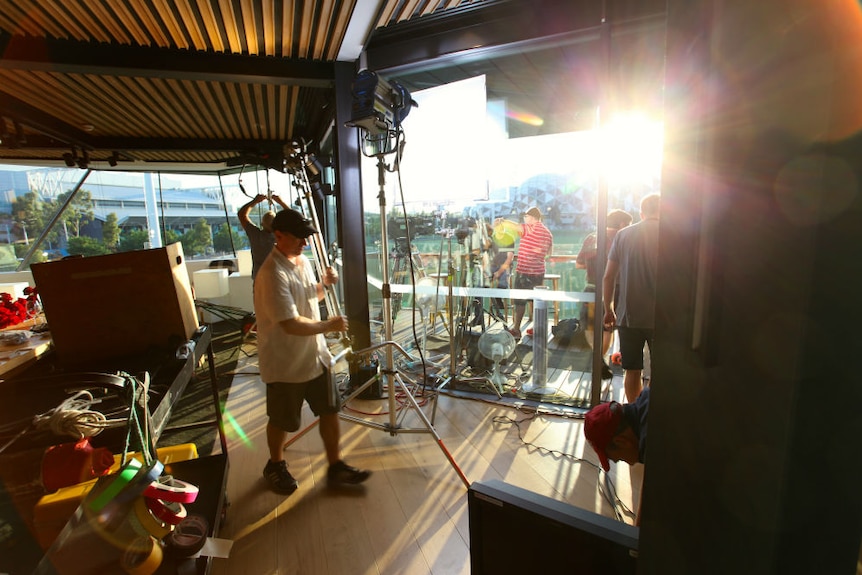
(392, 379)
(378, 109)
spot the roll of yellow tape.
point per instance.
(142, 557)
(151, 525)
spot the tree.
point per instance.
(111, 232)
(21, 251)
(222, 239)
(198, 239)
(86, 246)
(79, 212)
(32, 213)
(133, 240)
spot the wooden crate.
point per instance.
(117, 305)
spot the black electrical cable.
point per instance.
(609, 492)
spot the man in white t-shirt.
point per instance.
(292, 353)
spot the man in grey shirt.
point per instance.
(634, 258)
(260, 239)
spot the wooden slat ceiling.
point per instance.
(146, 82)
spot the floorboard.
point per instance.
(411, 515)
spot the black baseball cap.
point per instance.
(294, 223)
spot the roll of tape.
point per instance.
(142, 557)
(111, 507)
(170, 512)
(150, 523)
(114, 484)
(188, 537)
(169, 489)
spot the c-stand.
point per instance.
(393, 382)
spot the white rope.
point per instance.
(74, 418)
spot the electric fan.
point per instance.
(497, 346)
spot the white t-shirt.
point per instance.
(284, 291)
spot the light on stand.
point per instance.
(378, 109)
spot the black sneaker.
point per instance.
(342, 474)
(279, 478)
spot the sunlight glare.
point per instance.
(632, 148)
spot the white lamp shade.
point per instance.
(244, 263)
(210, 283)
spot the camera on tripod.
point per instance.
(402, 247)
(467, 227)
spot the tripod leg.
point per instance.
(431, 430)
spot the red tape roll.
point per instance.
(169, 512)
(167, 488)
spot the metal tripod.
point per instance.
(391, 378)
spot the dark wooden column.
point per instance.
(351, 223)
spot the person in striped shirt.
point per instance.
(536, 244)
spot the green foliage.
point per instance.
(79, 212)
(8, 259)
(33, 213)
(171, 237)
(86, 246)
(111, 232)
(133, 240)
(222, 239)
(22, 249)
(198, 239)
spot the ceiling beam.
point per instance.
(102, 59)
(477, 30)
(43, 123)
(114, 144)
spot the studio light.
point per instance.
(84, 160)
(378, 106)
(314, 166)
(114, 159)
(70, 158)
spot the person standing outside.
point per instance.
(634, 259)
(260, 239)
(536, 244)
(292, 351)
(500, 259)
(616, 220)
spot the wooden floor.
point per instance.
(411, 515)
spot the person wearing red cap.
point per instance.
(618, 432)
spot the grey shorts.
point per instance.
(284, 401)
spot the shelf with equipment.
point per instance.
(44, 385)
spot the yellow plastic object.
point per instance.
(53, 510)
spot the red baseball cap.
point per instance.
(600, 425)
